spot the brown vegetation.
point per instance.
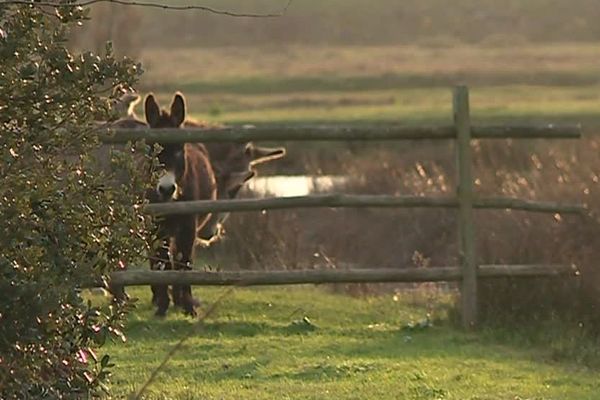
(559, 171)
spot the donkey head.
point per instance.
(172, 155)
(233, 164)
(125, 105)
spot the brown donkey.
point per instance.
(187, 175)
(233, 165)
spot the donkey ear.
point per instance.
(152, 110)
(130, 100)
(260, 154)
(178, 109)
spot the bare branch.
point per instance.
(149, 5)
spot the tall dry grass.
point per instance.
(566, 171)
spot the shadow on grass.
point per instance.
(260, 85)
(328, 371)
(175, 328)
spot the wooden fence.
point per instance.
(465, 201)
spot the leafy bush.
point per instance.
(64, 221)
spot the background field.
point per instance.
(422, 22)
(395, 83)
(363, 62)
(357, 60)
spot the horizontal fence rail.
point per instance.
(509, 203)
(353, 201)
(278, 203)
(317, 276)
(336, 132)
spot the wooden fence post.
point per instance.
(462, 122)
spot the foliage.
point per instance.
(65, 221)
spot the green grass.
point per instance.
(218, 68)
(257, 347)
(333, 83)
(425, 106)
(406, 84)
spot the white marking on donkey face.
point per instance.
(167, 186)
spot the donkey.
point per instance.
(187, 175)
(124, 109)
(127, 119)
(125, 105)
(233, 165)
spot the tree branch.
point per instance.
(149, 5)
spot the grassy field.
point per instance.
(257, 346)
(222, 68)
(406, 84)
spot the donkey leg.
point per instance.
(160, 293)
(185, 240)
(161, 260)
(118, 293)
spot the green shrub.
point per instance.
(63, 220)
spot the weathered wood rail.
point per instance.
(317, 276)
(465, 201)
(337, 132)
(356, 201)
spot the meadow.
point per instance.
(382, 343)
(308, 343)
(378, 83)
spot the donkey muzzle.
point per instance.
(167, 187)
